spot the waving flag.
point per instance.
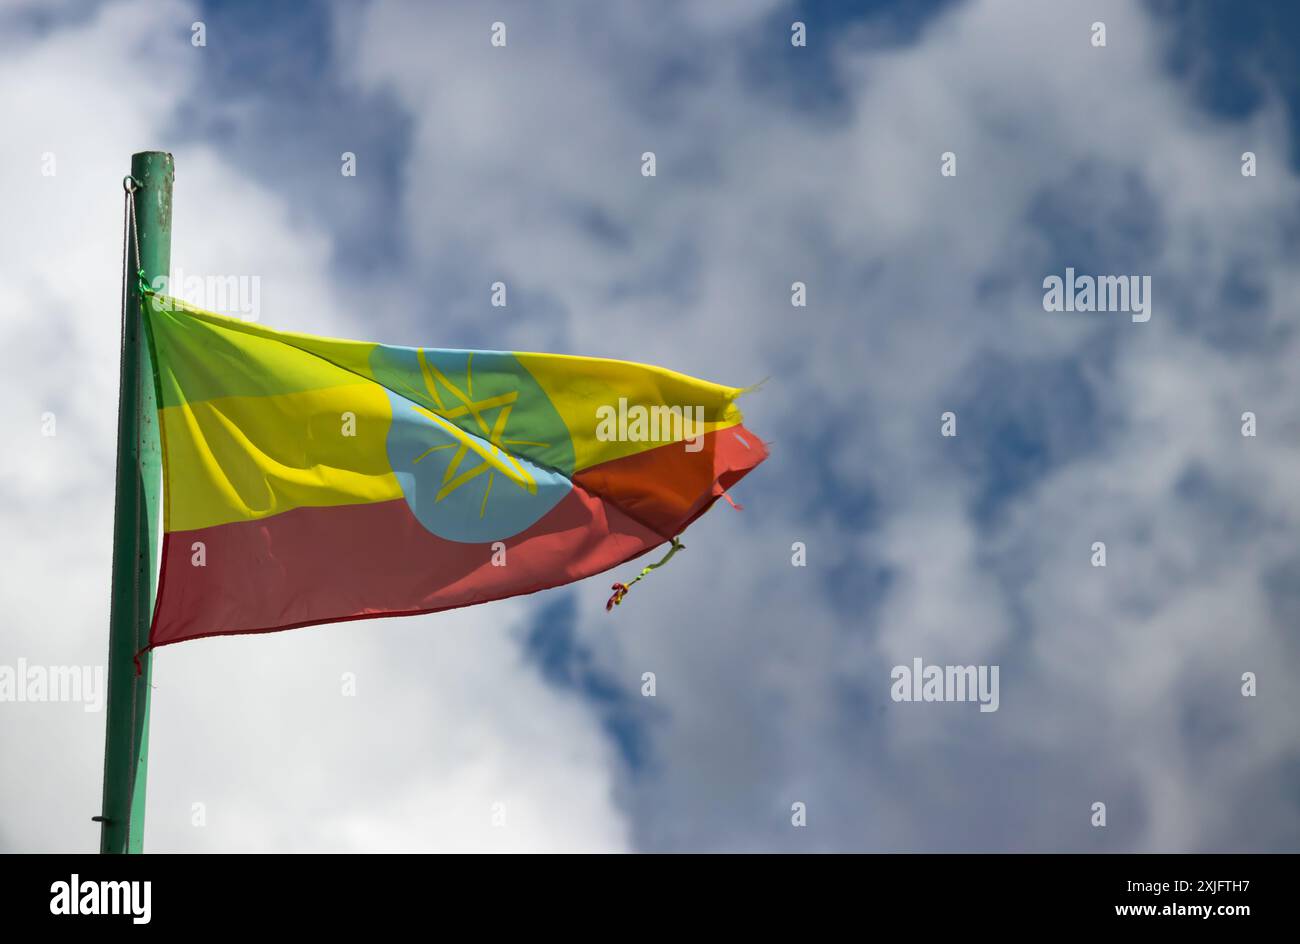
(310, 480)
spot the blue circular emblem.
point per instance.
(479, 449)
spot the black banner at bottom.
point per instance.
(237, 892)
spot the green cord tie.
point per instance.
(621, 589)
(131, 185)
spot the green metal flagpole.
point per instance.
(135, 518)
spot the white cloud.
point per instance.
(446, 722)
(1118, 684)
(517, 147)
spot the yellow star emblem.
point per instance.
(488, 443)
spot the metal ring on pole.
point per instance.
(130, 184)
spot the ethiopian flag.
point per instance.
(310, 480)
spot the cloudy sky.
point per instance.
(1119, 685)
